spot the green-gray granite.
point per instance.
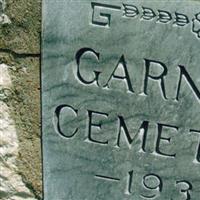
(121, 100)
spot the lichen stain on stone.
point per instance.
(25, 104)
(11, 183)
(20, 53)
(4, 19)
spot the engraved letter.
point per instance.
(148, 13)
(130, 180)
(160, 138)
(196, 25)
(160, 78)
(189, 80)
(122, 126)
(181, 19)
(58, 111)
(197, 157)
(130, 10)
(153, 184)
(164, 16)
(122, 63)
(79, 54)
(186, 188)
(102, 18)
(93, 124)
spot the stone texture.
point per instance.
(23, 34)
(25, 111)
(94, 163)
(20, 100)
(11, 184)
(4, 19)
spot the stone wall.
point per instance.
(20, 145)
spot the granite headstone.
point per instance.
(121, 100)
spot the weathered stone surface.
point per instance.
(20, 101)
(11, 183)
(4, 19)
(22, 35)
(120, 86)
(25, 104)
